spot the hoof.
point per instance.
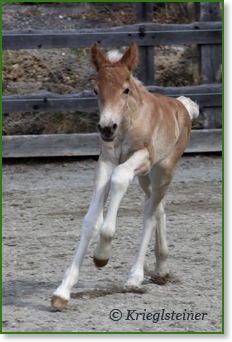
(58, 303)
(160, 280)
(132, 288)
(100, 263)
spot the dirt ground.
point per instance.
(43, 207)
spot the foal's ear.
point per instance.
(131, 57)
(97, 57)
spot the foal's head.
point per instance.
(113, 88)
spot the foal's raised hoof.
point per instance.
(100, 263)
(58, 303)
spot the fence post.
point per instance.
(211, 60)
(144, 14)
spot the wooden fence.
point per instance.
(206, 34)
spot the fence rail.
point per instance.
(206, 34)
(145, 34)
(70, 145)
(207, 95)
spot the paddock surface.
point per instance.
(43, 208)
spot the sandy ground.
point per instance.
(43, 207)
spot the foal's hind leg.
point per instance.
(136, 273)
(161, 176)
(154, 217)
(161, 247)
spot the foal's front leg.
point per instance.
(122, 176)
(91, 225)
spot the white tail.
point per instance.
(191, 106)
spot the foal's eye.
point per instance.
(126, 91)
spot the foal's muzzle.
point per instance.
(108, 132)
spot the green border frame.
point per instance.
(222, 1)
(1, 172)
(223, 221)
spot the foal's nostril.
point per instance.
(107, 132)
(107, 129)
(114, 127)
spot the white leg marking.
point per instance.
(136, 274)
(161, 248)
(154, 217)
(121, 178)
(91, 225)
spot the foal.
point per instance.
(142, 135)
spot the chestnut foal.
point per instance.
(142, 135)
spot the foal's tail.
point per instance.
(192, 107)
